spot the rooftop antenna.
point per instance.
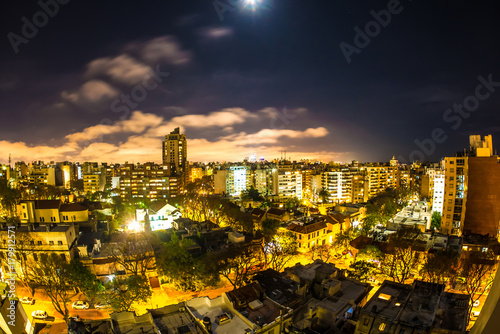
(9, 160)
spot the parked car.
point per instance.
(27, 300)
(39, 314)
(80, 305)
(476, 303)
(102, 305)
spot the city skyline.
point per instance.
(305, 78)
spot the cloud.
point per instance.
(216, 32)
(137, 123)
(162, 49)
(123, 69)
(92, 95)
(139, 139)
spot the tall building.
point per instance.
(238, 180)
(437, 182)
(148, 180)
(289, 183)
(472, 190)
(455, 195)
(175, 155)
(483, 192)
(379, 178)
(338, 184)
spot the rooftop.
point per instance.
(174, 319)
(202, 307)
(129, 323)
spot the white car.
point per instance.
(39, 314)
(101, 306)
(476, 303)
(80, 305)
(27, 300)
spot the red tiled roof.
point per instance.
(277, 212)
(306, 229)
(72, 207)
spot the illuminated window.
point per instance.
(381, 327)
(384, 296)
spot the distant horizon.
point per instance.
(106, 83)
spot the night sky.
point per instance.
(106, 80)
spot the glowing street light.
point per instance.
(135, 226)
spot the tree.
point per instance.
(324, 195)
(478, 272)
(362, 270)
(238, 264)
(292, 203)
(84, 279)
(270, 228)
(440, 267)
(25, 248)
(135, 254)
(252, 194)
(280, 250)
(8, 197)
(321, 252)
(122, 293)
(370, 253)
(436, 220)
(343, 239)
(403, 256)
(184, 270)
(52, 273)
(237, 219)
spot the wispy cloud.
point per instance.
(139, 139)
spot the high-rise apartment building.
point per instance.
(379, 178)
(472, 190)
(289, 183)
(437, 188)
(455, 195)
(148, 180)
(175, 155)
(238, 180)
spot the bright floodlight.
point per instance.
(134, 226)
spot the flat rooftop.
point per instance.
(202, 307)
(389, 299)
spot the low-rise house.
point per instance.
(310, 234)
(81, 326)
(279, 214)
(251, 302)
(310, 276)
(161, 215)
(130, 323)
(278, 287)
(218, 315)
(175, 319)
(125, 254)
(338, 302)
(419, 308)
(33, 240)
